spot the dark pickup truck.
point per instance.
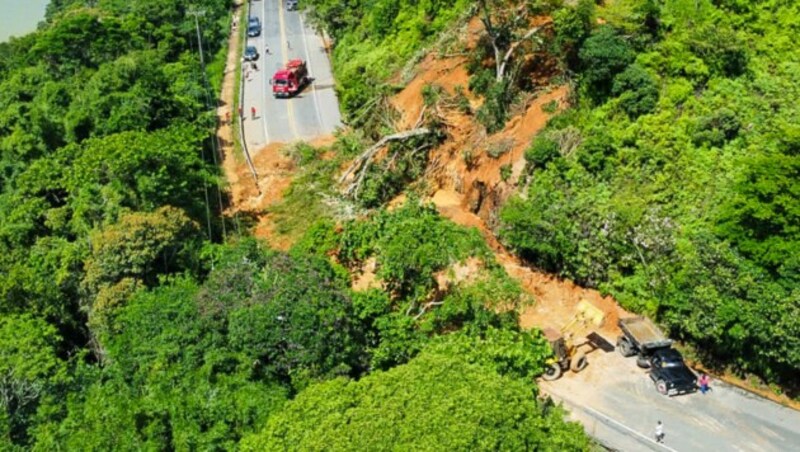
(654, 350)
(670, 374)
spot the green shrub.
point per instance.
(603, 55)
(505, 172)
(497, 101)
(550, 107)
(637, 91)
(542, 151)
(716, 128)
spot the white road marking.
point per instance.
(263, 45)
(285, 47)
(615, 422)
(308, 60)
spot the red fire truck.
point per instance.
(289, 80)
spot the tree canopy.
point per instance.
(439, 400)
(680, 198)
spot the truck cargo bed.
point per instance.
(644, 333)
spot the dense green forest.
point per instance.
(131, 318)
(672, 183)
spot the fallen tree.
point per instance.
(362, 162)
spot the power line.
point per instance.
(215, 150)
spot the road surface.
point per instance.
(310, 114)
(618, 404)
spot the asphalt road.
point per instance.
(618, 404)
(310, 114)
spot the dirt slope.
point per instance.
(469, 191)
(471, 194)
(468, 194)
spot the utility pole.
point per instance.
(197, 13)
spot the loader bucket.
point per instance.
(591, 313)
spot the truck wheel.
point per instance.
(578, 362)
(642, 362)
(624, 347)
(661, 387)
(552, 372)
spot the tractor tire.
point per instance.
(661, 387)
(553, 372)
(578, 362)
(642, 362)
(625, 347)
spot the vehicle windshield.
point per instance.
(668, 364)
(281, 82)
(671, 358)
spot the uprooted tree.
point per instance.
(371, 179)
(508, 26)
(511, 35)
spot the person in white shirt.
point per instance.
(659, 432)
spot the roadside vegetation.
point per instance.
(677, 188)
(373, 40)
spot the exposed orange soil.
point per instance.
(366, 278)
(470, 194)
(467, 195)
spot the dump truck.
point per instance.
(290, 79)
(567, 352)
(669, 373)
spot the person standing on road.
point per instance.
(266, 49)
(288, 45)
(659, 432)
(703, 382)
(252, 112)
(241, 113)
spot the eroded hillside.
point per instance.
(472, 171)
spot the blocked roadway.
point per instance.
(306, 116)
(617, 403)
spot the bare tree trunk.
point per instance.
(493, 36)
(501, 57)
(362, 161)
(501, 71)
(425, 308)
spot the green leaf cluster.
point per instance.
(440, 399)
(678, 193)
(374, 38)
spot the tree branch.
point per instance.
(362, 161)
(502, 67)
(425, 308)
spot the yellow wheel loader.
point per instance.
(567, 354)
